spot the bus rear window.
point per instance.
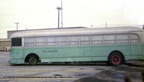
(16, 42)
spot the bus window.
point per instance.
(74, 40)
(29, 41)
(95, 39)
(134, 38)
(63, 40)
(123, 38)
(16, 42)
(51, 41)
(84, 40)
(40, 41)
(109, 39)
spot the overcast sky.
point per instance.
(33, 14)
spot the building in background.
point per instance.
(4, 44)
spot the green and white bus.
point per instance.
(113, 45)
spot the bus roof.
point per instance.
(75, 31)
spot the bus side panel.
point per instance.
(77, 53)
(52, 54)
(84, 53)
(93, 53)
(136, 52)
(90, 53)
(143, 51)
(16, 56)
(105, 50)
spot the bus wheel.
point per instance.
(32, 60)
(115, 59)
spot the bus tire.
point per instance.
(32, 60)
(115, 58)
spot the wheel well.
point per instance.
(34, 55)
(118, 52)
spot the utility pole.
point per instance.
(59, 8)
(61, 14)
(17, 25)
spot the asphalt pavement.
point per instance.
(74, 72)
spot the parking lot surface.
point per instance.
(74, 72)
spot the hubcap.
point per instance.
(116, 59)
(32, 60)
